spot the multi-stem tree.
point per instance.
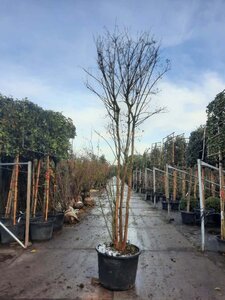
(128, 71)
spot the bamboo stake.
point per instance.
(15, 200)
(183, 185)
(174, 185)
(33, 183)
(167, 193)
(201, 192)
(189, 191)
(9, 198)
(203, 185)
(36, 187)
(195, 184)
(47, 179)
(222, 196)
(29, 170)
(212, 178)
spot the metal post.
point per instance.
(154, 187)
(201, 204)
(28, 203)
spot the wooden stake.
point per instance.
(212, 178)
(36, 187)
(203, 186)
(33, 184)
(29, 171)
(195, 184)
(174, 185)
(47, 180)
(183, 185)
(9, 199)
(15, 200)
(222, 197)
(189, 191)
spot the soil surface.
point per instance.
(170, 266)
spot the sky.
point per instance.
(45, 44)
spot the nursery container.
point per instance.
(117, 273)
(188, 218)
(58, 220)
(41, 230)
(18, 230)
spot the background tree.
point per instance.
(195, 146)
(216, 126)
(128, 70)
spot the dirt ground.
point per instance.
(170, 266)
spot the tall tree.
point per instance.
(128, 71)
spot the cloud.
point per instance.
(186, 105)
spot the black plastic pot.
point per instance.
(174, 205)
(220, 243)
(164, 205)
(41, 230)
(57, 221)
(206, 213)
(117, 273)
(213, 220)
(18, 230)
(188, 218)
(148, 196)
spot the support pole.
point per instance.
(201, 204)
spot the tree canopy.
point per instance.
(32, 132)
(216, 125)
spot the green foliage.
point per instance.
(32, 132)
(216, 124)
(194, 203)
(195, 146)
(179, 145)
(155, 158)
(212, 202)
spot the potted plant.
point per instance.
(212, 208)
(128, 70)
(187, 209)
(41, 228)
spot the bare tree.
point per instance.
(128, 71)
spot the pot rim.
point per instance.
(188, 212)
(119, 257)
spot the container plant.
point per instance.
(127, 72)
(188, 204)
(41, 228)
(11, 219)
(188, 214)
(212, 207)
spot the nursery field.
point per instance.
(170, 266)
